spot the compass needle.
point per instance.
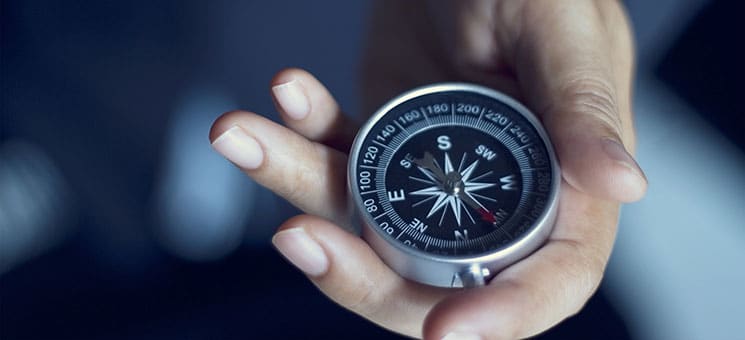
(429, 174)
(435, 154)
(448, 164)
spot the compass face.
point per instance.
(453, 172)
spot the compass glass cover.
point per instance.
(453, 173)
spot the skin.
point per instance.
(571, 62)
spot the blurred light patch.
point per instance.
(202, 202)
(677, 267)
(35, 204)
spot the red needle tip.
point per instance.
(487, 216)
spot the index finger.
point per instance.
(309, 175)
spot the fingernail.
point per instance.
(239, 148)
(617, 152)
(291, 97)
(300, 249)
(461, 336)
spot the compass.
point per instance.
(453, 182)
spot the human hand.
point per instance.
(571, 62)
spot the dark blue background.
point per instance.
(94, 84)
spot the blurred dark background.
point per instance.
(117, 221)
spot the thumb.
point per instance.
(578, 69)
(589, 145)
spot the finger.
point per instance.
(309, 175)
(307, 107)
(577, 65)
(465, 29)
(347, 270)
(541, 290)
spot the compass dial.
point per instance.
(454, 172)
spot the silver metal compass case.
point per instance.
(452, 271)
